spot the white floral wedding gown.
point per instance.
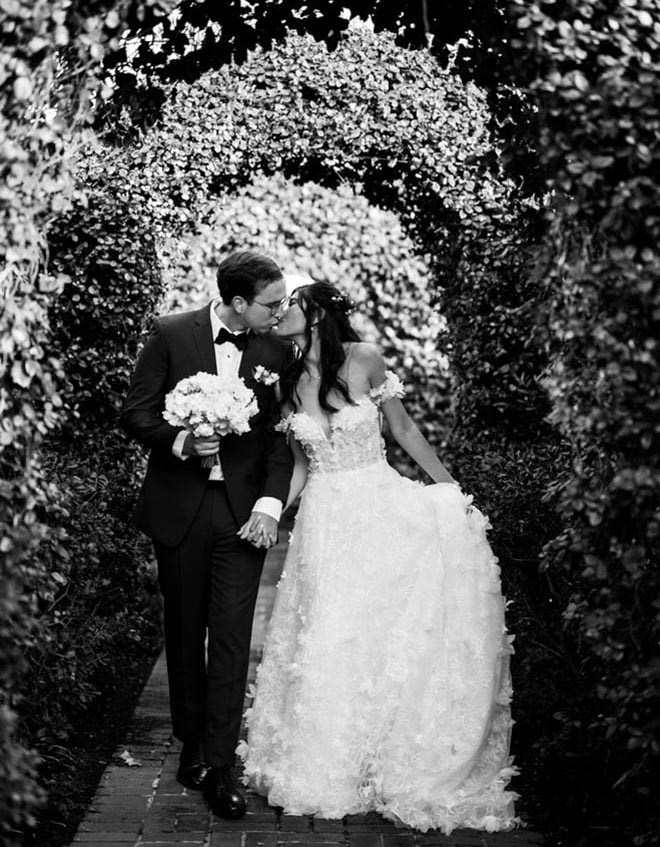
(384, 683)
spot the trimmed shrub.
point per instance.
(51, 67)
(102, 613)
(597, 79)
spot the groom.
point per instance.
(211, 529)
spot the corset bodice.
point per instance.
(354, 440)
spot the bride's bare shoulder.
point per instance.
(367, 367)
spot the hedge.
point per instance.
(598, 81)
(566, 84)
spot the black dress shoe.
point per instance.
(192, 770)
(223, 794)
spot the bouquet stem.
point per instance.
(211, 461)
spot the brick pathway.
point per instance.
(145, 805)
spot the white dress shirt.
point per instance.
(227, 363)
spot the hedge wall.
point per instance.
(52, 73)
(97, 612)
(598, 80)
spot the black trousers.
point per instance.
(209, 584)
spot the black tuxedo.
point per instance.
(209, 577)
(255, 464)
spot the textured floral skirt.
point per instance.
(385, 679)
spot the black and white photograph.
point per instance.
(330, 423)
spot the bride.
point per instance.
(385, 682)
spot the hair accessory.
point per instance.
(344, 302)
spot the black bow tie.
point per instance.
(239, 339)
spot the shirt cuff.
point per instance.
(269, 506)
(177, 447)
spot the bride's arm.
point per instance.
(408, 436)
(299, 475)
(403, 430)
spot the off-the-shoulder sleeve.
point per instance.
(390, 387)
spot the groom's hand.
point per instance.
(260, 530)
(201, 446)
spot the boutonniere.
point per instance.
(263, 375)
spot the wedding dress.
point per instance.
(384, 683)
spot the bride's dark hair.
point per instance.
(326, 309)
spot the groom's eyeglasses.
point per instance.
(273, 308)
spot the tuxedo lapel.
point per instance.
(250, 357)
(204, 341)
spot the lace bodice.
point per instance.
(355, 439)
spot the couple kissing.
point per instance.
(384, 684)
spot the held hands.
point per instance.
(260, 530)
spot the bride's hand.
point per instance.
(457, 487)
(260, 530)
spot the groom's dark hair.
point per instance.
(244, 274)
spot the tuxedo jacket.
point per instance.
(256, 464)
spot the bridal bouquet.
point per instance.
(206, 404)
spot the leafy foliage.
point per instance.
(297, 112)
(96, 610)
(599, 140)
(51, 68)
(204, 34)
(99, 612)
(571, 295)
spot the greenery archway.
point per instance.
(407, 140)
(419, 151)
(591, 151)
